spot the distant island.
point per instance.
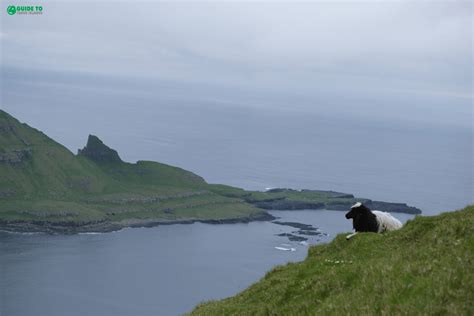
(46, 188)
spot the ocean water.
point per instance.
(164, 270)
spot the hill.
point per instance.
(423, 269)
(45, 187)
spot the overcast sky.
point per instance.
(388, 48)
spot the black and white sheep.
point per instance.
(365, 220)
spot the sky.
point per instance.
(393, 59)
(223, 88)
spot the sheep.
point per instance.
(365, 220)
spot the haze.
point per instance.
(364, 58)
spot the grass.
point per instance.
(53, 185)
(423, 269)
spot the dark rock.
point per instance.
(331, 194)
(103, 226)
(297, 238)
(284, 235)
(295, 225)
(96, 150)
(278, 190)
(15, 156)
(292, 237)
(284, 204)
(308, 232)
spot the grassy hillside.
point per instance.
(44, 185)
(425, 268)
(41, 181)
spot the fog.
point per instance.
(394, 59)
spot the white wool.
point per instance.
(358, 204)
(386, 221)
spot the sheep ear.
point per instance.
(356, 205)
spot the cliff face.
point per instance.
(97, 151)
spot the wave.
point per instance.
(21, 233)
(285, 249)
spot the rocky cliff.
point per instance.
(97, 151)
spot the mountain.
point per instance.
(425, 268)
(45, 187)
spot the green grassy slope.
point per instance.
(41, 180)
(34, 166)
(425, 268)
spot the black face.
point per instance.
(351, 213)
(354, 211)
(363, 220)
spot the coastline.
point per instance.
(47, 188)
(107, 226)
(70, 228)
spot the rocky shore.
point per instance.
(108, 226)
(278, 203)
(289, 199)
(303, 230)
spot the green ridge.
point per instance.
(43, 182)
(423, 269)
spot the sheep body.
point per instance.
(365, 220)
(386, 221)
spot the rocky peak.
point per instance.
(99, 152)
